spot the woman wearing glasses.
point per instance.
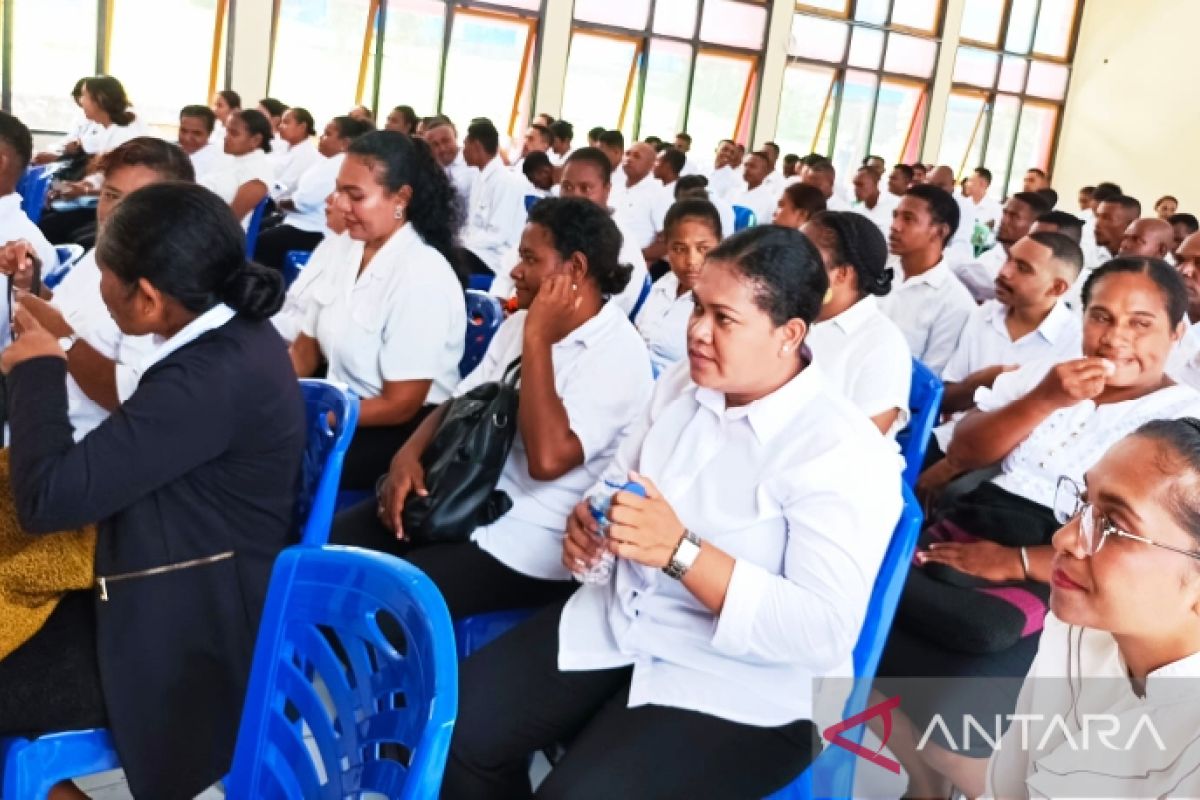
(975, 600)
(1123, 630)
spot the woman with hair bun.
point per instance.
(857, 346)
(191, 483)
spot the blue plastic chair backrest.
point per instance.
(646, 286)
(480, 283)
(293, 262)
(33, 188)
(484, 316)
(375, 633)
(924, 406)
(256, 218)
(743, 218)
(531, 200)
(324, 453)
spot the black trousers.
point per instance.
(371, 450)
(513, 701)
(471, 580)
(274, 244)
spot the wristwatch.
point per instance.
(684, 556)
(68, 341)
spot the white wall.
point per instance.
(1133, 106)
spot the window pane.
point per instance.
(48, 56)
(1055, 21)
(975, 67)
(528, 5)
(872, 11)
(676, 17)
(1048, 80)
(910, 55)
(852, 127)
(667, 71)
(720, 85)
(318, 51)
(1035, 139)
(139, 52)
(919, 14)
(598, 73)
(896, 122)
(1020, 26)
(412, 55)
(839, 7)
(483, 68)
(981, 20)
(1012, 74)
(866, 48)
(625, 14)
(804, 100)
(962, 134)
(822, 39)
(734, 24)
(1004, 126)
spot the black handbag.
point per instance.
(463, 462)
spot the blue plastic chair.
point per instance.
(293, 262)
(324, 453)
(472, 633)
(33, 766)
(531, 200)
(743, 218)
(68, 256)
(832, 773)
(924, 405)
(33, 188)
(330, 614)
(480, 283)
(646, 285)
(484, 316)
(256, 218)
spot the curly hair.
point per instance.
(784, 267)
(580, 226)
(399, 161)
(859, 244)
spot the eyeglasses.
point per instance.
(1094, 526)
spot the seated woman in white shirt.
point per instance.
(799, 203)
(976, 599)
(298, 304)
(690, 229)
(388, 316)
(860, 349)
(297, 151)
(585, 378)
(741, 578)
(225, 103)
(248, 140)
(1122, 639)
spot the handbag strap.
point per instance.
(513, 370)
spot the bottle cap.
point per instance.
(633, 487)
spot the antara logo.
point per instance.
(833, 734)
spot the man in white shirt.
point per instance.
(1016, 220)
(612, 144)
(442, 139)
(900, 178)
(298, 153)
(960, 249)
(683, 143)
(987, 209)
(725, 181)
(1148, 237)
(929, 305)
(537, 139)
(873, 204)
(821, 173)
(760, 196)
(637, 206)
(1184, 363)
(561, 133)
(1035, 180)
(496, 211)
(214, 169)
(774, 177)
(668, 165)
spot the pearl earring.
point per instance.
(399, 213)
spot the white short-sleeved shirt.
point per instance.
(298, 303)
(316, 184)
(637, 206)
(987, 211)
(1071, 440)
(15, 225)
(602, 376)
(960, 249)
(1183, 365)
(403, 319)
(865, 357)
(495, 214)
(291, 162)
(881, 214)
(778, 484)
(100, 139)
(663, 322)
(726, 183)
(214, 171)
(979, 274)
(931, 310)
(253, 166)
(462, 177)
(78, 299)
(985, 343)
(762, 200)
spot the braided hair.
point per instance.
(858, 243)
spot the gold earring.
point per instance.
(828, 296)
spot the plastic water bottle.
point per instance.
(599, 503)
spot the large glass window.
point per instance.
(53, 46)
(412, 55)
(601, 73)
(488, 69)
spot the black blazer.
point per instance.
(202, 460)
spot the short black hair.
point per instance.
(653, 141)
(1088, 190)
(774, 147)
(1036, 202)
(1188, 221)
(783, 266)
(562, 130)
(1069, 225)
(791, 158)
(350, 128)
(822, 166)
(943, 208)
(1175, 297)
(409, 115)
(595, 157)
(685, 136)
(674, 158)
(1062, 248)
(859, 243)
(1130, 204)
(580, 226)
(14, 133)
(906, 171)
(231, 98)
(544, 132)
(692, 208)
(535, 161)
(1041, 173)
(275, 107)
(691, 183)
(484, 132)
(805, 197)
(201, 113)
(595, 133)
(1049, 195)
(159, 155)
(985, 173)
(1106, 191)
(613, 138)
(1165, 197)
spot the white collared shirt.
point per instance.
(253, 166)
(602, 376)
(1077, 681)
(979, 274)
(726, 182)
(1183, 365)
(778, 485)
(290, 164)
(1071, 440)
(985, 342)
(881, 214)
(462, 177)
(100, 139)
(78, 298)
(298, 304)
(663, 322)
(316, 184)
(960, 249)
(638, 206)
(214, 171)
(865, 356)
(762, 200)
(210, 320)
(496, 214)
(402, 319)
(15, 225)
(987, 211)
(931, 310)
